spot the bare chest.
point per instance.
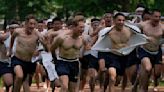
(27, 40)
(153, 31)
(120, 37)
(72, 43)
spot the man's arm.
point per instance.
(44, 40)
(3, 36)
(13, 36)
(51, 35)
(140, 26)
(57, 42)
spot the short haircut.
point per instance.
(78, 14)
(146, 11)
(56, 19)
(95, 19)
(107, 13)
(41, 21)
(69, 22)
(30, 16)
(118, 14)
(154, 10)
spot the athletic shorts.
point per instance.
(71, 69)
(154, 58)
(5, 67)
(93, 62)
(119, 62)
(84, 62)
(28, 67)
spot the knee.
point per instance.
(102, 65)
(146, 64)
(112, 79)
(112, 74)
(8, 79)
(19, 77)
(92, 73)
(8, 83)
(148, 68)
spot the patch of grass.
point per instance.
(0, 82)
(161, 83)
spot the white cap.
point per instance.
(13, 25)
(140, 9)
(49, 20)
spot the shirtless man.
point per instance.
(69, 49)
(89, 60)
(92, 57)
(115, 63)
(103, 77)
(26, 43)
(5, 67)
(150, 54)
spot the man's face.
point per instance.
(80, 28)
(31, 24)
(156, 16)
(119, 21)
(40, 27)
(95, 24)
(146, 17)
(57, 25)
(139, 12)
(108, 19)
(12, 29)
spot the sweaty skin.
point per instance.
(120, 39)
(155, 33)
(26, 44)
(71, 50)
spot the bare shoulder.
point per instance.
(51, 32)
(19, 31)
(62, 37)
(127, 28)
(143, 24)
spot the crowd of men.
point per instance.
(64, 53)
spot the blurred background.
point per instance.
(44, 9)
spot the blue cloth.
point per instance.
(68, 68)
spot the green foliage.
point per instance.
(18, 9)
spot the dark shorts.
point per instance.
(5, 67)
(28, 67)
(84, 62)
(154, 58)
(93, 62)
(68, 68)
(89, 61)
(119, 62)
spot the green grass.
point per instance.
(161, 83)
(0, 82)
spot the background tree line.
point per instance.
(18, 9)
